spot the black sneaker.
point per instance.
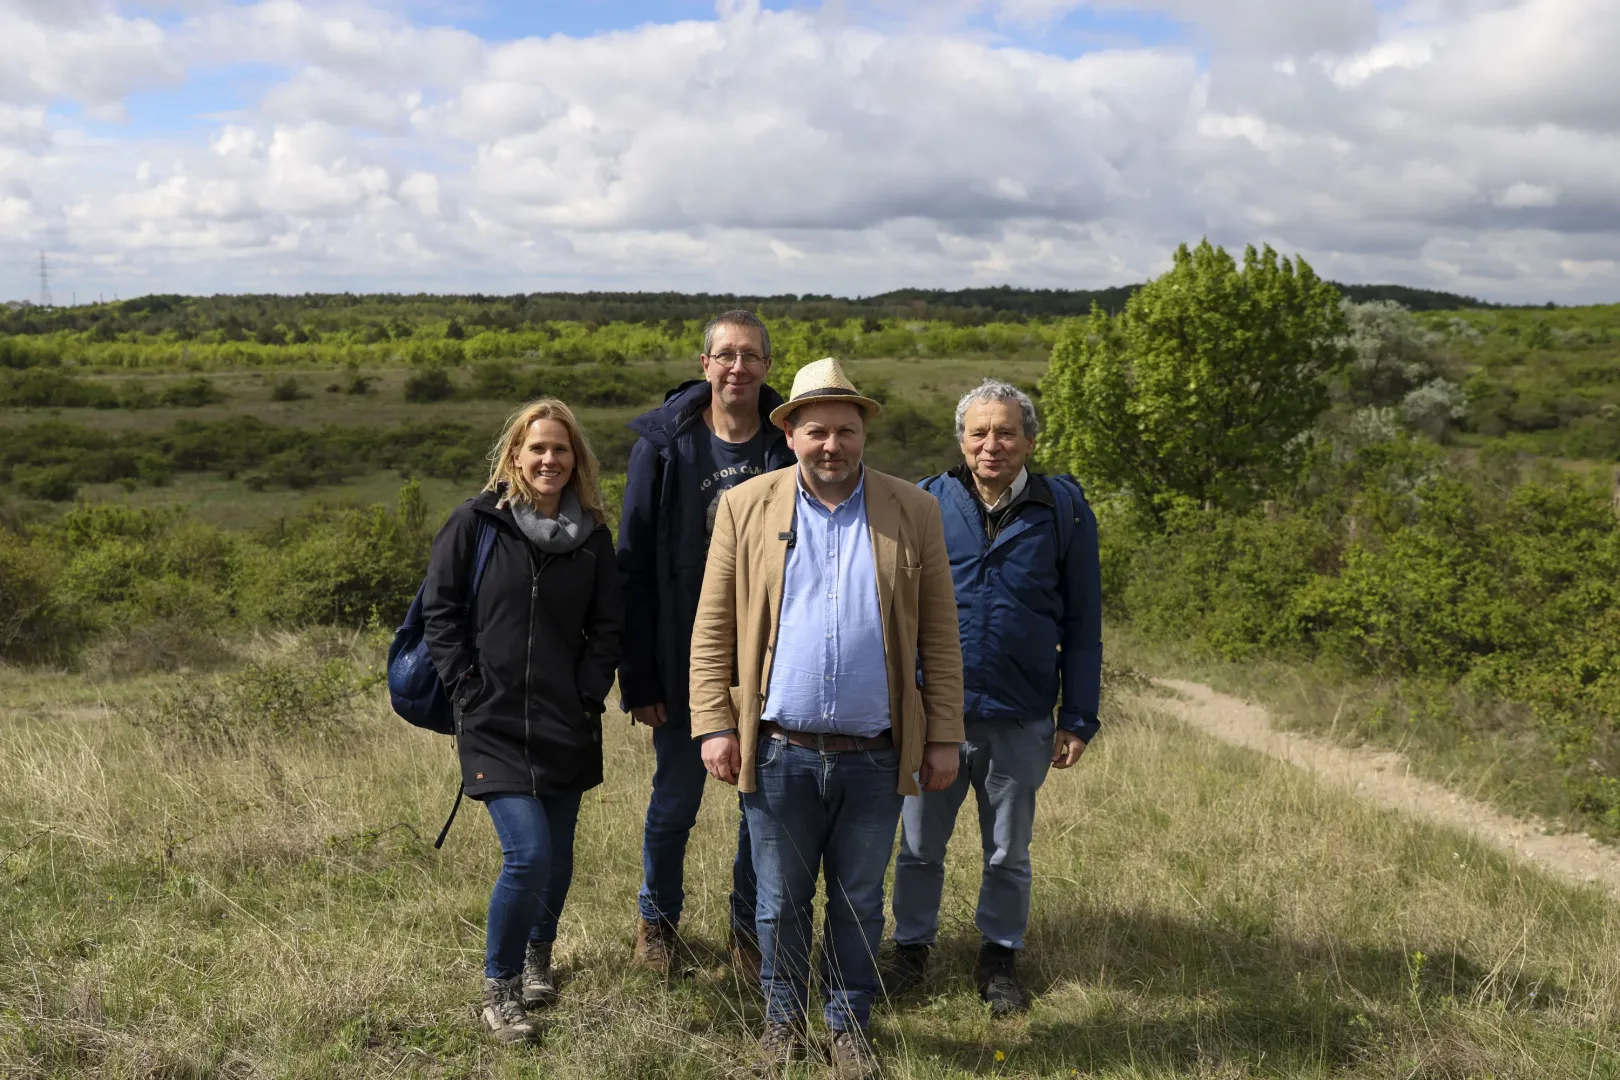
(503, 1013)
(539, 988)
(997, 976)
(905, 969)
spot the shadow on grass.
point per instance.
(1203, 995)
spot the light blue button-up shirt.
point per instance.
(829, 674)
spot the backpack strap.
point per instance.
(485, 548)
(1065, 515)
(461, 789)
(481, 554)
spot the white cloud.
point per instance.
(84, 52)
(1351, 71)
(1590, 268)
(1466, 144)
(1522, 196)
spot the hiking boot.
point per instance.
(745, 957)
(852, 1057)
(656, 942)
(905, 969)
(539, 988)
(503, 1011)
(780, 1046)
(997, 977)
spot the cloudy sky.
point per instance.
(845, 146)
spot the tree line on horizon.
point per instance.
(259, 316)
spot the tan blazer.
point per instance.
(742, 600)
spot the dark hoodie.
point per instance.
(663, 541)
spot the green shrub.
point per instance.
(126, 567)
(495, 380)
(264, 454)
(277, 700)
(35, 627)
(428, 386)
(25, 588)
(1397, 563)
(335, 567)
(287, 389)
(192, 393)
(55, 483)
(47, 388)
(596, 385)
(1228, 579)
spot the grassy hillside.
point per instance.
(275, 909)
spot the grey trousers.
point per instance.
(1004, 762)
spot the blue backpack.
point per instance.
(414, 687)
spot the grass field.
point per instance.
(1199, 911)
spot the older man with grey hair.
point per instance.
(1023, 553)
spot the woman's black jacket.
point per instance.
(529, 667)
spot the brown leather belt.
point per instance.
(827, 744)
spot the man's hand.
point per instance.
(651, 715)
(722, 757)
(1066, 749)
(940, 762)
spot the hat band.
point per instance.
(830, 391)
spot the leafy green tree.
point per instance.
(791, 347)
(1200, 388)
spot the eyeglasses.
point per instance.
(751, 360)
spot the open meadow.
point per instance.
(273, 907)
(215, 839)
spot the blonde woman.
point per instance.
(527, 665)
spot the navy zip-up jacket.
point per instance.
(1031, 620)
(660, 568)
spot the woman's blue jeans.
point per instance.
(537, 864)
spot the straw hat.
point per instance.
(823, 380)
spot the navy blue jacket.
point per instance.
(661, 571)
(1030, 620)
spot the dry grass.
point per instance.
(1481, 746)
(1200, 911)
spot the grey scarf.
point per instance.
(559, 535)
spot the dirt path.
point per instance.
(1385, 778)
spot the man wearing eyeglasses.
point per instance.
(709, 435)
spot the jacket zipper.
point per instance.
(528, 664)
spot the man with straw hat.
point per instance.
(826, 683)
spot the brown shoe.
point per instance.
(779, 1047)
(539, 985)
(656, 944)
(745, 957)
(503, 1011)
(852, 1057)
